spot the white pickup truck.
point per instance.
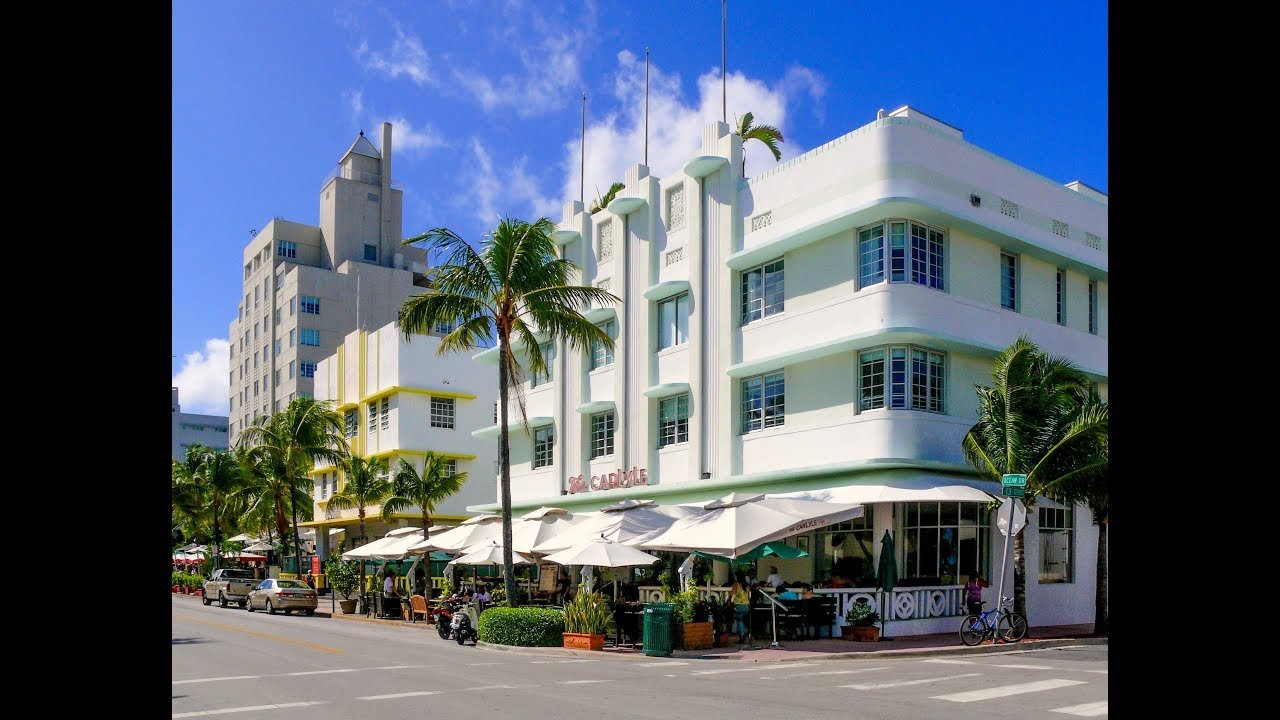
(229, 585)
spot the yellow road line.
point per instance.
(268, 636)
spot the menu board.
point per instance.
(547, 577)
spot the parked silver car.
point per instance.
(275, 594)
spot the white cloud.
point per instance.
(550, 72)
(204, 382)
(356, 99)
(616, 140)
(404, 137)
(513, 193)
(405, 57)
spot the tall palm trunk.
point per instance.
(217, 536)
(297, 545)
(504, 471)
(1100, 595)
(363, 539)
(1020, 575)
(282, 523)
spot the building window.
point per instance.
(275, 379)
(763, 401)
(279, 281)
(1057, 545)
(370, 253)
(291, 368)
(292, 305)
(673, 420)
(306, 394)
(675, 207)
(351, 423)
(762, 291)
(255, 332)
(309, 336)
(293, 335)
(255, 388)
(921, 385)
(1062, 297)
(1093, 307)
(847, 549)
(287, 249)
(543, 440)
(257, 293)
(673, 321)
(604, 250)
(307, 369)
(386, 413)
(601, 354)
(442, 413)
(373, 417)
(276, 346)
(248, 270)
(1008, 281)
(451, 467)
(309, 305)
(548, 358)
(255, 359)
(944, 542)
(444, 328)
(602, 434)
(927, 254)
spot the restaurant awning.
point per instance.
(917, 488)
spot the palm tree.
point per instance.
(768, 135)
(288, 444)
(188, 492)
(365, 484)
(1093, 490)
(424, 491)
(1035, 420)
(222, 477)
(602, 203)
(514, 287)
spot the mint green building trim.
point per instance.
(597, 406)
(665, 390)
(666, 289)
(492, 431)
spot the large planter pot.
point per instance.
(348, 606)
(694, 636)
(583, 641)
(177, 588)
(861, 634)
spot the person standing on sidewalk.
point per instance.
(973, 592)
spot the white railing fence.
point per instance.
(908, 603)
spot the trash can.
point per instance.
(657, 629)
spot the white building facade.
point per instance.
(190, 428)
(820, 327)
(400, 399)
(307, 286)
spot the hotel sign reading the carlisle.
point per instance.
(609, 481)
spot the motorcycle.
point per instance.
(444, 617)
(464, 623)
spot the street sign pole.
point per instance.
(1008, 481)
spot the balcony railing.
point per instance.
(348, 173)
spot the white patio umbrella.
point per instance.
(538, 527)
(603, 553)
(244, 537)
(738, 522)
(466, 535)
(391, 547)
(404, 531)
(487, 554)
(259, 547)
(630, 522)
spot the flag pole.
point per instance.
(582, 152)
(646, 107)
(724, 93)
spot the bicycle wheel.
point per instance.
(1013, 627)
(972, 630)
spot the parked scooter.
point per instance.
(464, 623)
(444, 616)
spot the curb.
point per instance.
(318, 613)
(809, 656)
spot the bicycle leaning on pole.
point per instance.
(1010, 627)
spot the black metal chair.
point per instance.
(821, 613)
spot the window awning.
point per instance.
(920, 488)
(492, 430)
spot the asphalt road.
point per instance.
(233, 663)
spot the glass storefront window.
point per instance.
(846, 549)
(941, 543)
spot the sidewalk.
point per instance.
(943, 644)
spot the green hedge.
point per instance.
(525, 627)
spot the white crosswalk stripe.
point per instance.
(251, 708)
(399, 695)
(825, 672)
(1092, 709)
(1006, 690)
(663, 662)
(904, 683)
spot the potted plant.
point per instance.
(587, 618)
(693, 631)
(343, 578)
(176, 580)
(723, 616)
(860, 623)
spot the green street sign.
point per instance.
(1014, 481)
(1013, 491)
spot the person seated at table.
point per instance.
(483, 597)
(774, 578)
(562, 587)
(839, 581)
(787, 592)
(389, 585)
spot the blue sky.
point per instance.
(485, 97)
